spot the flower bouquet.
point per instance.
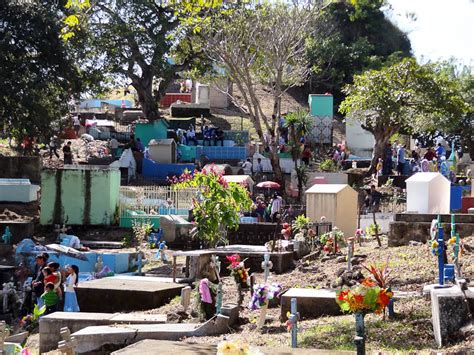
(262, 294)
(332, 241)
(364, 298)
(238, 271)
(31, 321)
(227, 347)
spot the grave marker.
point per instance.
(185, 297)
(293, 320)
(3, 335)
(68, 344)
(267, 265)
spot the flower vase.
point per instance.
(360, 333)
(263, 315)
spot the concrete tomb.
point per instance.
(99, 337)
(337, 202)
(428, 193)
(312, 303)
(51, 324)
(18, 190)
(170, 347)
(125, 294)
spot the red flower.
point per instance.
(368, 282)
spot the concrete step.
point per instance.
(50, 325)
(116, 337)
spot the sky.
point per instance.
(442, 29)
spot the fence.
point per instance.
(149, 202)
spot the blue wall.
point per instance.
(157, 171)
(219, 152)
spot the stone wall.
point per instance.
(21, 168)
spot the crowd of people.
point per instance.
(267, 209)
(397, 158)
(53, 287)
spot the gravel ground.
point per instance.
(410, 332)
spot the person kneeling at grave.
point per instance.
(50, 298)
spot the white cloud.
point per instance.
(442, 29)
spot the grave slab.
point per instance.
(449, 313)
(112, 294)
(51, 324)
(170, 347)
(115, 337)
(312, 303)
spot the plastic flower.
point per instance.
(452, 241)
(226, 347)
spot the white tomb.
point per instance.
(428, 193)
(18, 190)
(359, 141)
(336, 202)
(202, 94)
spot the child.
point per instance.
(50, 298)
(49, 277)
(57, 285)
(70, 299)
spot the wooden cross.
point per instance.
(293, 320)
(68, 344)
(5, 292)
(350, 253)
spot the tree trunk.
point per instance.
(382, 137)
(147, 100)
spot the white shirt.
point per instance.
(247, 166)
(70, 282)
(276, 204)
(76, 121)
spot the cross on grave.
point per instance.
(266, 266)
(5, 292)
(7, 236)
(293, 321)
(217, 267)
(68, 344)
(350, 253)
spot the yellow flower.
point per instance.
(434, 244)
(226, 348)
(452, 240)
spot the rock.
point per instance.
(362, 256)
(341, 259)
(327, 258)
(356, 260)
(414, 243)
(341, 271)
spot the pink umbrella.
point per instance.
(268, 185)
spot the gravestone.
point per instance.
(449, 312)
(185, 297)
(312, 303)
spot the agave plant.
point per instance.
(380, 273)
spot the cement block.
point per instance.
(311, 303)
(170, 347)
(107, 337)
(449, 313)
(112, 294)
(50, 325)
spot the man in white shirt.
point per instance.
(277, 202)
(114, 144)
(247, 166)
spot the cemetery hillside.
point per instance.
(236, 177)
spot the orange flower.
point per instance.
(368, 282)
(384, 299)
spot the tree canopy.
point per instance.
(405, 96)
(37, 73)
(350, 37)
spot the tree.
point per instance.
(298, 123)
(37, 72)
(348, 38)
(134, 40)
(261, 44)
(406, 96)
(218, 205)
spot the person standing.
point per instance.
(50, 298)
(400, 159)
(247, 166)
(387, 160)
(113, 145)
(53, 147)
(38, 283)
(277, 202)
(67, 152)
(70, 299)
(306, 155)
(77, 124)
